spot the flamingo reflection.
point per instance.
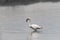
(35, 35)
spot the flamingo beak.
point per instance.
(27, 19)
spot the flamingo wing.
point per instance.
(35, 26)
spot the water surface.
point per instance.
(14, 27)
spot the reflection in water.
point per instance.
(35, 35)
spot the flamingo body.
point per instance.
(35, 26)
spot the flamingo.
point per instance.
(33, 26)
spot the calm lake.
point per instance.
(14, 27)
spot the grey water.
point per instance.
(14, 27)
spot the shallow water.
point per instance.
(14, 27)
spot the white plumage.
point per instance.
(33, 26)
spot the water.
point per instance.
(14, 27)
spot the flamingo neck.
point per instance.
(29, 24)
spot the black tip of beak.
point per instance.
(27, 20)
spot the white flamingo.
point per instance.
(33, 26)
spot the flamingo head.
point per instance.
(28, 19)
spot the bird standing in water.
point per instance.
(33, 26)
